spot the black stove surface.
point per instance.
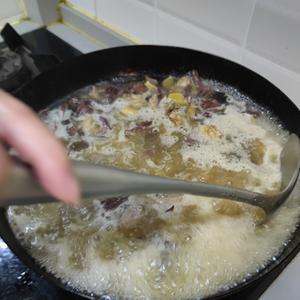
(45, 42)
(16, 66)
(19, 282)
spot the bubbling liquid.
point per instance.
(163, 246)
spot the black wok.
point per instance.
(105, 64)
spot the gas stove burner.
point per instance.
(12, 71)
(10, 64)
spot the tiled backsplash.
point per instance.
(88, 6)
(174, 31)
(229, 19)
(132, 17)
(275, 32)
(9, 8)
(267, 27)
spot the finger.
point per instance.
(21, 128)
(4, 165)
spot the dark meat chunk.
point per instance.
(65, 122)
(72, 130)
(71, 104)
(189, 141)
(220, 97)
(206, 114)
(105, 122)
(161, 93)
(80, 131)
(187, 91)
(210, 104)
(112, 92)
(78, 146)
(196, 78)
(78, 106)
(138, 88)
(169, 109)
(84, 107)
(203, 89)
(170, 209)
(144, 124)
(113, 203)
(105, 93)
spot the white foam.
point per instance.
(213, 258)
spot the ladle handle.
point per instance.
(99, 181)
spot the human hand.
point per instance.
(21, 129)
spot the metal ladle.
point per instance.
(99, 181)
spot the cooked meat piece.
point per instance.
(84, 107)
(220, 97)
(203, 89)
(71, 104)
(138, 88)
(65, 122)
(210, 104)
(170, 209)
(113, 203)
(72, 130)
(112, 92)
(105, 122)
(144, 124)
(78, 146)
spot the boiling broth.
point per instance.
(163, 246)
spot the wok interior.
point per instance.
(261, 273)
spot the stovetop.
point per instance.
(19, 282)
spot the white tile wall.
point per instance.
(130, 16)
(88, 6)
(261, 34)
(9, 8)
(270, 28)
(175, 32)
(229, 19)
(150, 2)
(275, 32)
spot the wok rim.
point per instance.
(284, 257)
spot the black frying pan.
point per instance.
(157, 60)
